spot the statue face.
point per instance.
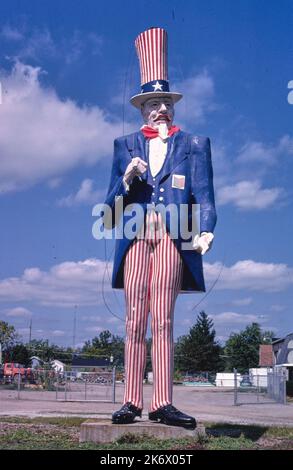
(157, 111)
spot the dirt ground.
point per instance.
(206, 404)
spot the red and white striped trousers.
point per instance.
(153, 272)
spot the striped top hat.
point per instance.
(151, 48)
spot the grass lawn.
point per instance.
(63, 433)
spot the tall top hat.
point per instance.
(151, 48)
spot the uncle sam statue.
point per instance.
(157, 167)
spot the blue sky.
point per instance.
(67, 70)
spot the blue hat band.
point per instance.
(155, 86)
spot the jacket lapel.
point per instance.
(175, 154)
(138, 147)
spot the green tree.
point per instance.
(267, 337)
(242, 349)
(43, 349)
(199, 351)
(8, 336)
(18, 353)
(64, 354)
(49, 351)
(105, 345)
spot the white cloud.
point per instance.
(232, 318)
(86, 194)
(58, 333)
(251, 275)
(18, 312)
(112, 320)
(268, 155)
(43, 136)
(277, 308)
(36, 43)
(81, 283)
(66, 284)
(54, 183)
(257, 152)
(239, 175)
(39, 43)
(92, 318)
(198, 98)
(240, 302)
(11, 34)
(248, 195)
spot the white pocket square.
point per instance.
(178, 181)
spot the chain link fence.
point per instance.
(258, 387)
(277, 380)
(70, 385)
(199, 379)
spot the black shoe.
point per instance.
(126, 414)
(170, 415)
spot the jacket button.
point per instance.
(161, 198)
(162, 190)
(153, 194)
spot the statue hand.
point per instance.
(136, 167)
(203, 243)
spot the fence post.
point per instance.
(284, 373)
(65, 391)
(85, 388)
(18, 385)
(235, 387)
(56, 383)
(114, 384)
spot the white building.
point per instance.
(58, 366)
(226, 379)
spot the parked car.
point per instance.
(12, 370)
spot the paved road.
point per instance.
(206, 404)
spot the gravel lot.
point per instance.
(206, 404)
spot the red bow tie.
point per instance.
(151, 133)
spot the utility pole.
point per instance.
(74, 327)
(30, 335)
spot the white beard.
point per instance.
(163, 130)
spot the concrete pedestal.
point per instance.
(103, 431)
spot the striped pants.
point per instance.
(153, 272)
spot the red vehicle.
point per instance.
(11, 371)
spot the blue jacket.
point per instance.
(186, 155)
